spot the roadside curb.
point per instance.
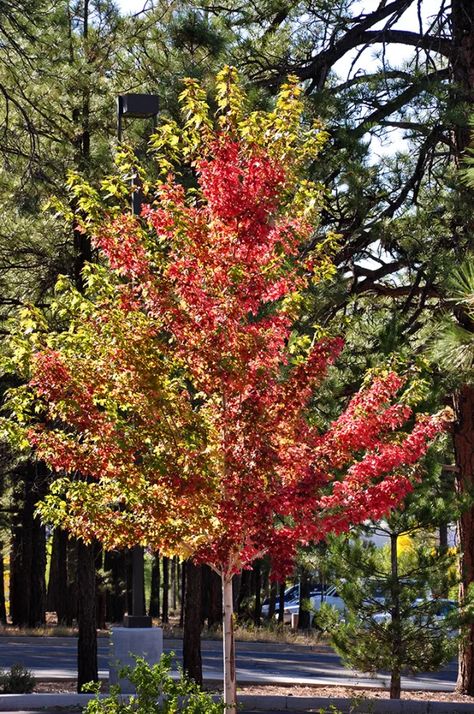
(258, 702)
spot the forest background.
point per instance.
(395, 95)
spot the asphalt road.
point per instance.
(55, 657)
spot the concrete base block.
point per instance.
(125, 642)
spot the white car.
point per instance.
(291, 594)
(430, 612)
(328, 595)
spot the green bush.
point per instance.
(156, 693)
(17, 680)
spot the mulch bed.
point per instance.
(69, 686)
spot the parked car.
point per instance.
(291, 594)
(424, 612)
(328, 595)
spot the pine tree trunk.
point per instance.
(192, 662)
(214, 613)
(129, 580)
(183, 592)
(72, 585)
(462, 64)
(230, 683)
(257, 612)
(244, 582)
(154, 609)
(166, 590)
(100, 588)
(28, 549)
(86, 615)
(281, 603)
(304, 615)
(174, 584)
(37, 610)
(397, 645)
(20, 564)
(273, 597)
(57, 583)
(115, 603)
(3, 610)
(464, 453)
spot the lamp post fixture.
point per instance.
(136, 106)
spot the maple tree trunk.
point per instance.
(230, 683)
(192, 661)
(464, 453)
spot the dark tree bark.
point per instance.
(192, 662)
(214, 614)
(100, 587)
(244, 592)
(397, 644)
(115, 563)
(37, 613)
(174, 584)
(129, 571)
(86, 616)
(57, 583)
(28, 549)
(154, 609)
(462, 64)
(281, 602)
(183, 593)
(3, 610)
(304, 615)
(257, 611)
(20, 565)
(464, 454)
(72, 584)
(166, 590)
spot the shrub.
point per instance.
(17, 680)
(156, 693)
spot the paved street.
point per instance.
(256, 662)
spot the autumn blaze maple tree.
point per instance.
(178, 388)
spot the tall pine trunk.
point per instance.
(57, 596)
(192, 661)
(462, 67)
(154, 609)
(86, 615)
(166, 590)
(464, 453)
(3, 610)
(397, 645)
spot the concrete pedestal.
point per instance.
(125, 642)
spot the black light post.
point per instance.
(137, 106)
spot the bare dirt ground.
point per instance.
(69, 685)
